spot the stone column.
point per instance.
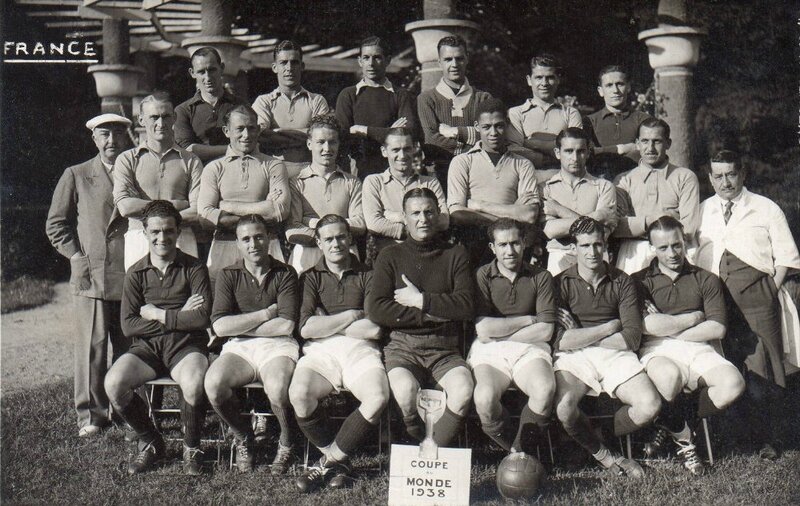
(439, 22)
(674, 49)
(116, 81)
(216, 19)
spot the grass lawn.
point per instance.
(25, 292)
(44, 462)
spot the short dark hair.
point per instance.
(546, 60)
(161, 209)
(242, 109)
(664, 223)
(330, 219)
(572, 133)
(398, 132)
(372, 40)
(451, 41)
(490, 105)
(504, 224)
(420, 193)
(253, 219)
(585, 225)
(653, 123)
(207, 51)
(728, 156)
(286, 45)
(324, 121)
(609, 69)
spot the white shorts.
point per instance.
(601, 369)
(221, 254)
(259, 351)
(306, 257)
(693, 359)
(136, 244)
(341, 360)
(508, 357)
(634, 255)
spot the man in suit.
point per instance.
(85, 227)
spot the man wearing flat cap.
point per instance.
(84, 225)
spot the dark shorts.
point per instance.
(428, 366)
(163, 353)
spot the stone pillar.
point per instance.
(439, 22)
(674, 49)
(116, 81)
(216, 18)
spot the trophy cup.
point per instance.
(431, 405)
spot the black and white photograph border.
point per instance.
(728, 80)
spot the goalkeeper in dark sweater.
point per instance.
(422, 291)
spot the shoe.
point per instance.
(148, 455)
(627, 467)
(89, 431)
(261, 429)
(658, 445)
(342, 476)
(192, 461)
(245, 456)
(687, 452)
(768, 452)
(314, 477)
(283, 459)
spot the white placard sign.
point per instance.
(414, 480)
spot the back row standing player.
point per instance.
(448, 112)
(369, 109)
(535, 124)
(285, 113)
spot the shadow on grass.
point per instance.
(44, 462)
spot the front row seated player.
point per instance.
(600, 330)
(514, 324)
(684, 313)
(340, 353)
(166, 301)
(255, 308)
(422, 291)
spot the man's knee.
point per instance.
(730, 386)
(485, 399)
(217, 389)
(374, 403)
(115, 386)
(459, 390)
(541, 392)
(192, 387)
(404, 389)
(647, 404)
(567, 409)
(666, 376)
(300, 397)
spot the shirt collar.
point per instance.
(230, 154)
(605, 112)
(526, 270)
(612, 273)
(537, 102)
(181, 259)
(446, 91)
(143, 147)
(387, 176)
(646, 167)
(198, 98)
(655, 270)
(479, 147)
(273, 265)
(307, 172)
(741, 198)
(277, 93)
(558, 177)
(355, 266)
(386, 84)
(108, 166)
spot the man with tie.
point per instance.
(745, 239)
(84, 226)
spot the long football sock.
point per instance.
(316, 427)
(353, 432)
(282, 414)
(446, 428)
(230, 413)
(135, 413)
(531, 427)
(192, 418)
(414, 426)
(581, 431)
